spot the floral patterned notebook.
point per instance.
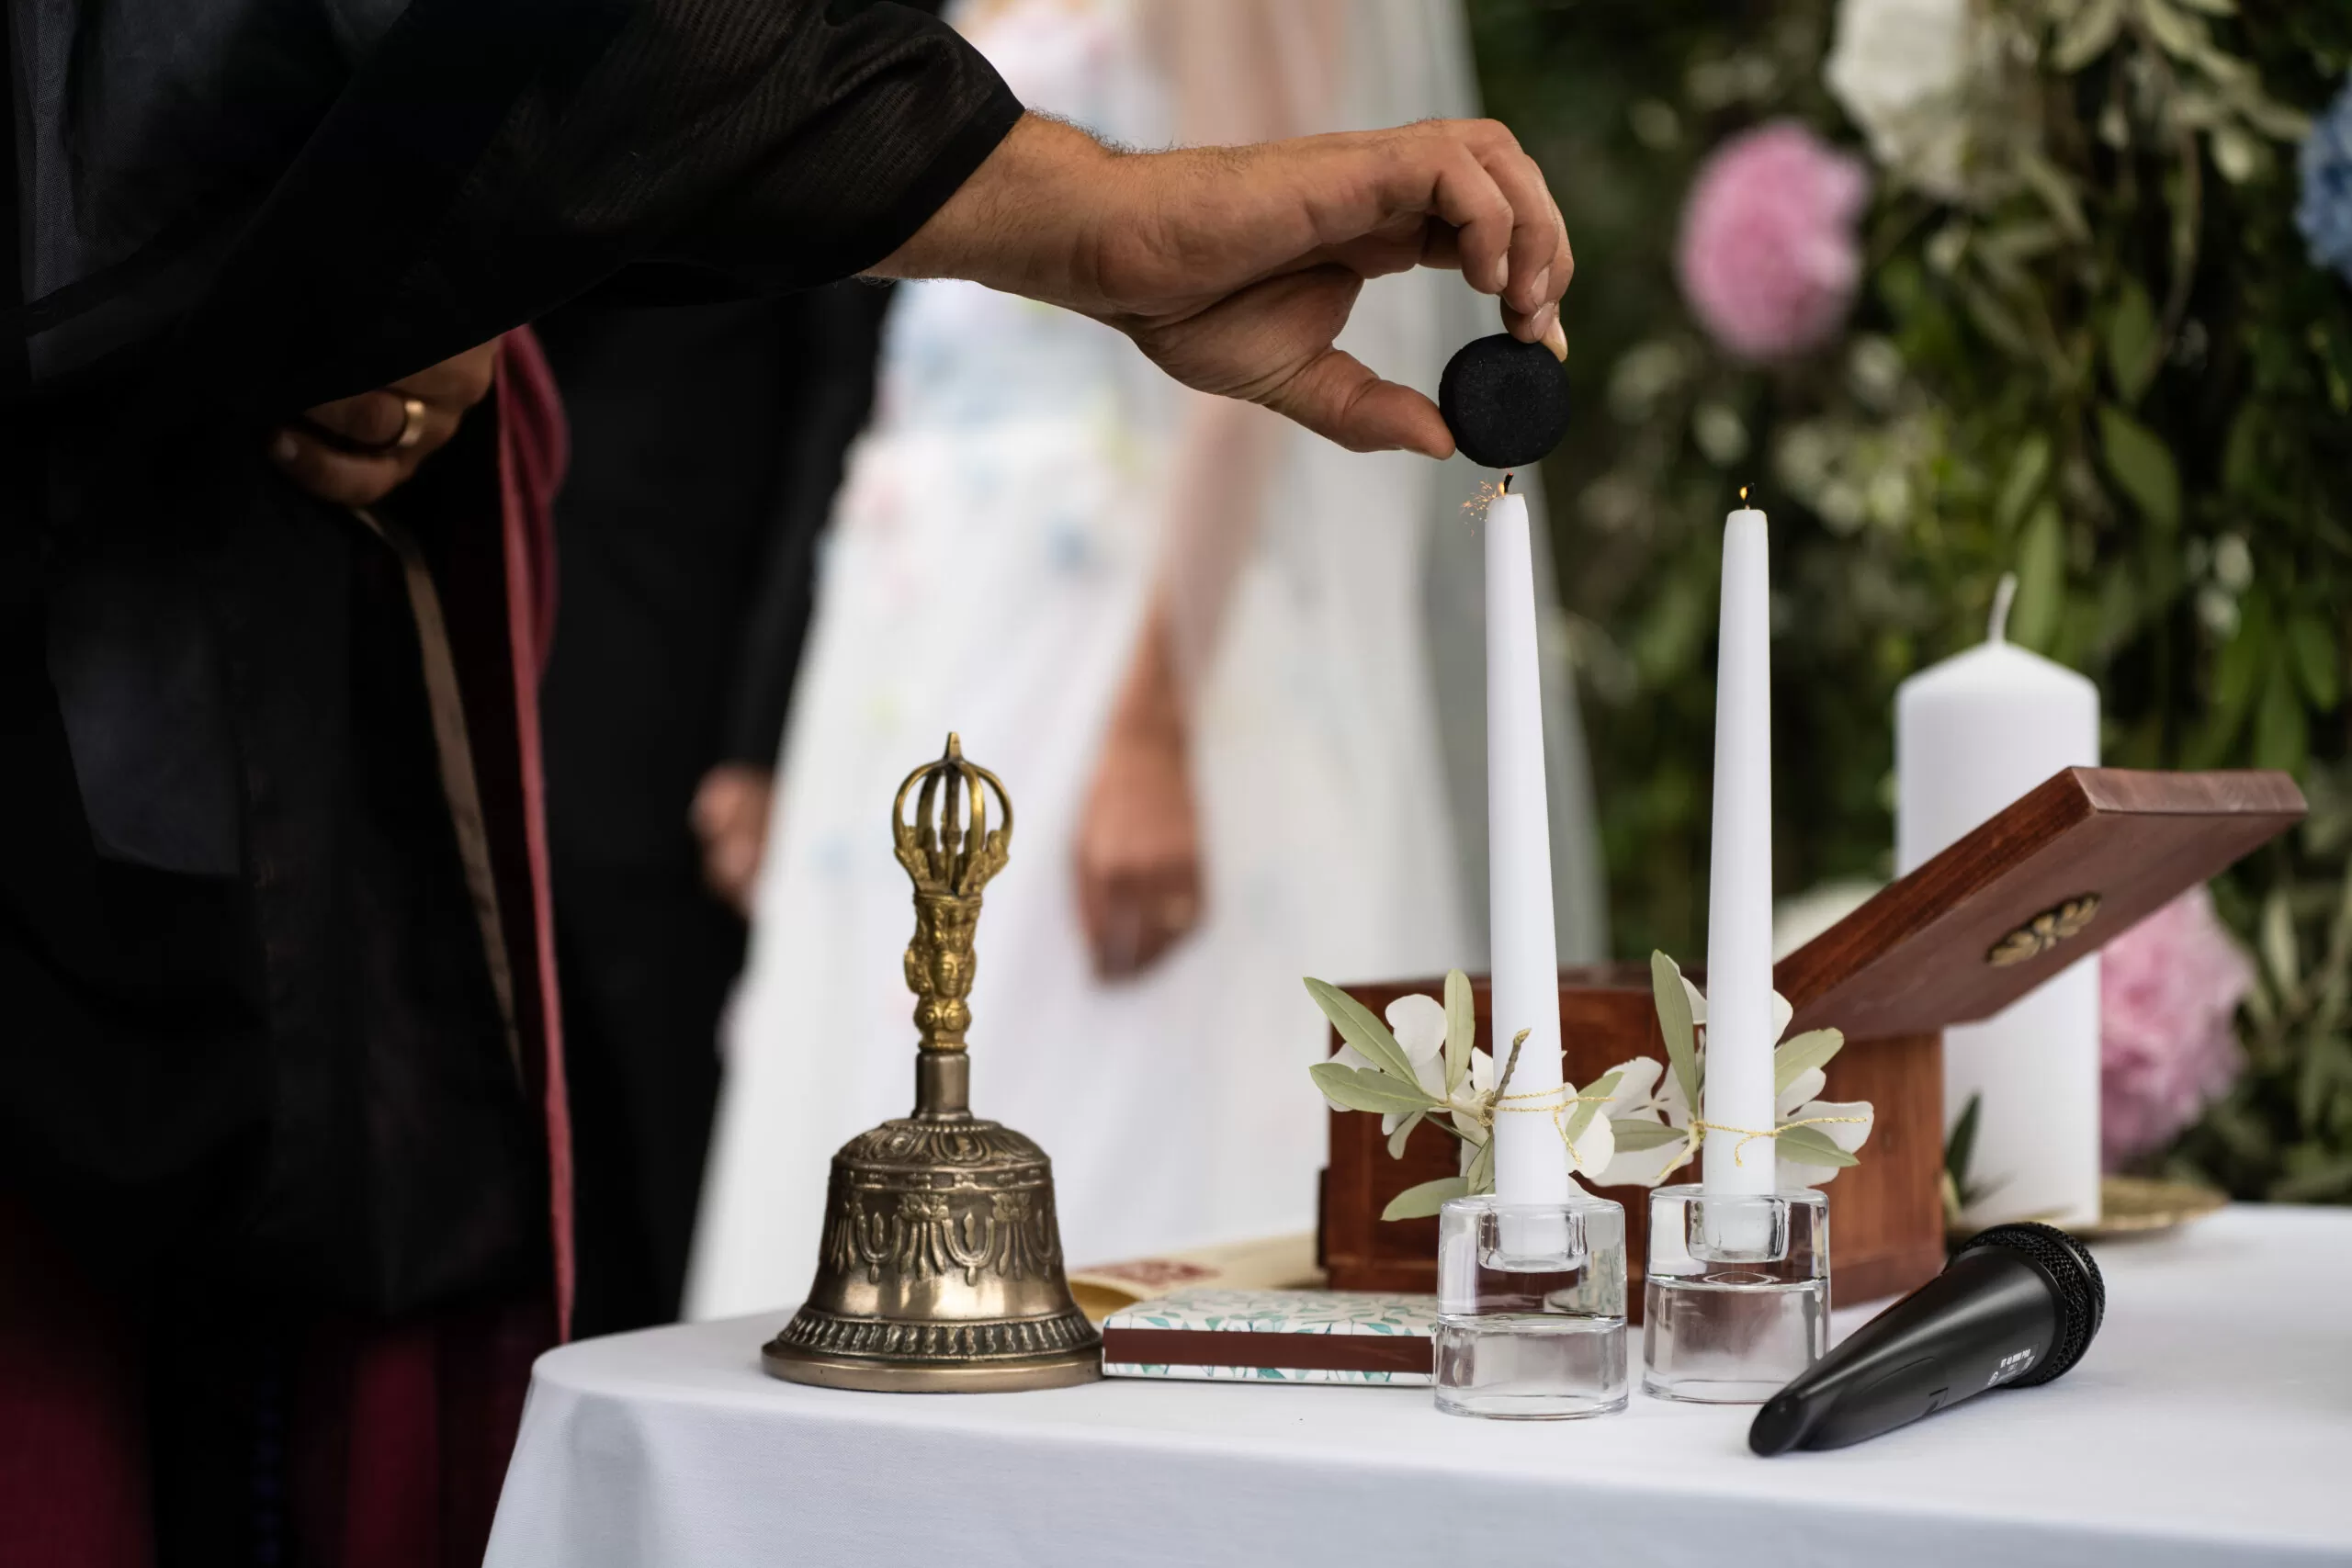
(1326, 1337)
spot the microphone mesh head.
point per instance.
(2076, 1288)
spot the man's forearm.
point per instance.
(1026, 222)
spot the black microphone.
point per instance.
(2014, 1307)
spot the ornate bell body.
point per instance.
(941, 1266)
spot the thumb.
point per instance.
(1336, 396)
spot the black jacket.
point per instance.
(248, 1036)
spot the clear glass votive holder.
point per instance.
(1735, 1295)
(1530, 1309)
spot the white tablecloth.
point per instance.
(2211, 1423)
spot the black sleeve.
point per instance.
(493, 158)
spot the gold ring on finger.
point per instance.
(411, 423)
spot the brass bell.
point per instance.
(940, 1269)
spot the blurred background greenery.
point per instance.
(2109, 366)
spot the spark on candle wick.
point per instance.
(1743, 495)
(1485, 496)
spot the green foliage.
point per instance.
(1427, 1198)
(2108, 367)
(1812, 1146)
(1360, 1028)
(1675, 1024)
(1800, 1054)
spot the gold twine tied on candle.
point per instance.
(1748, 1134)
(1559, 1104)
(1562, 1106)
(1557, 1108)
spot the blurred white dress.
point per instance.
(989, 567)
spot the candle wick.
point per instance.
(1505, 484)
(1997, 627)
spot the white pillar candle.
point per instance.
(1531, 1164)
(1971, 735)
(1738, 1093)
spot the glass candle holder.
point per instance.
(1735, 1299)
(1530, 1309)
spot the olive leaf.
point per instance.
(1811, 1145)
(1361, 1089)
(1636, 1133)
(2142, 465)
(1590, 1101)
(1419, 1202)
(1360, 1028)
(2134, 345)
(2041, 578)
(1799, 1055)
(2270, 117)
(2057, 194)
(1461, 1028)
(1404, 1131)
(2277, 942)
(1960, 1147)
(2282, 730)
(1994, 320)
(2028, 468)
(1674, 1022)
(2313, 646)
(1481, 1174)
(2178, 34)
(2087, 34)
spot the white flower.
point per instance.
(1469, 1099)
(1588, 1125)
(1846, 1123)
(1648, 1092)
(1418, 1024)
(1900, 70)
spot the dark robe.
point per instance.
(273, 1158)
(709, 440)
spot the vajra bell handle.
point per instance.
(949, 851)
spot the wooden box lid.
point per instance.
(2065, 869)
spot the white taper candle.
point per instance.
(1531, 1164)
(1738, 1093)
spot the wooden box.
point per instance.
(1956, 940)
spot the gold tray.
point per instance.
(2139, 1205)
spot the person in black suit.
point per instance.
(706, 442)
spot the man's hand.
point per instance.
(356, 451)
(730, 818)
(1235, 268)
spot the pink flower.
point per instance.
(1768, 257)
(2169, 990)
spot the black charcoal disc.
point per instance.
(1506, 401)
